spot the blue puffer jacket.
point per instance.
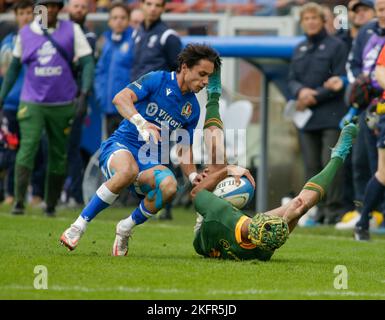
(113, 70)
(11, 102)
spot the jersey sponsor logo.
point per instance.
(46, 52)
(187, 110)
(161, 115)
(164, 116)
(48, 71)
(168, 91)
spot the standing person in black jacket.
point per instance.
(317, 59)
(156, 45)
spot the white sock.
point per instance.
(106, 195)
(127, 224)
(81, 223)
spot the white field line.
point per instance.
(86, 289)
(342, 293)
(250, 292)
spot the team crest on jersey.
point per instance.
(152, 109)
(124, 47)
(187, 110)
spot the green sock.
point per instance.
(213, 117)
(321, 182)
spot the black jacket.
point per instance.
(315, 60)
(156, 48)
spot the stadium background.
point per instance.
(243, 79)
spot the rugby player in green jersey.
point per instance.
(225, 232)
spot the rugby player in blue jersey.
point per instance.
(134, 156)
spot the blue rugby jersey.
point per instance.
(160, 100)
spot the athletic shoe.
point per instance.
(50, 211)
(120, 247)
(361, 234)
(215, 85)
(350, 219)
(345, 141)
(18, 208)
(71, 237)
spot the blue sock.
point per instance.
(100, 201)
(374, 194)
(141, 214)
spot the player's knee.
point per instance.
(127, 175)
(168, 187)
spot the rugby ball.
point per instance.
(238, 196)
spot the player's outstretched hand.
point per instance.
(151, 130)
(237, 172)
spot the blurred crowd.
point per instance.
(241, 7)
(335, 75)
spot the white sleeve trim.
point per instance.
(17, 50)
(81, 46)
(166, 34)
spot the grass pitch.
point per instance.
(162, 263)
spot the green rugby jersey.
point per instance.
(220, 232)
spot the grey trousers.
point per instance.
(316, 150)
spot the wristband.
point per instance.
(138, 120)
(192, 176)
